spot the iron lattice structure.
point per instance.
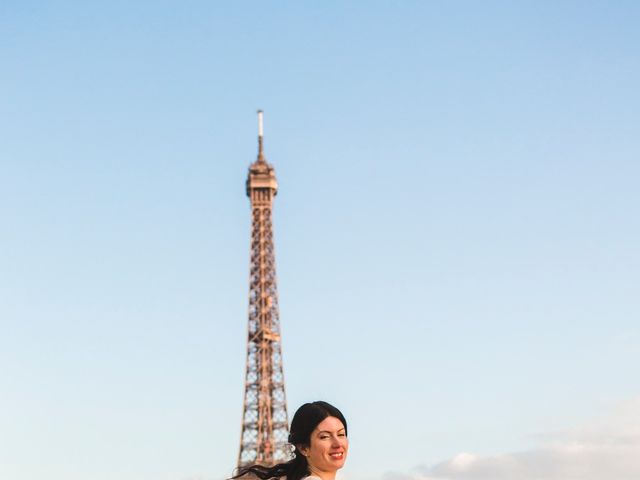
(264, 420)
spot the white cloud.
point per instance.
(606, 449)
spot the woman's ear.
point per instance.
(303, 449)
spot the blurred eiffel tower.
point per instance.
(264, 419)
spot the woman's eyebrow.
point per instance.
(327, 431)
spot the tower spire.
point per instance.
(260, 138)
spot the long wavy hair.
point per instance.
(304, 422)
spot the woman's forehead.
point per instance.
(330, 424)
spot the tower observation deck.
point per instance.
(263, 439)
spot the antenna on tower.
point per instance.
(260, 137)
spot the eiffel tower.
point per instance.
(264, 419)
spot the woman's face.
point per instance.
(328, 446)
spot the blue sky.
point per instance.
(457, 229)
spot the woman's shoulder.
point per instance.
(308, 477)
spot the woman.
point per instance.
(319, 437)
